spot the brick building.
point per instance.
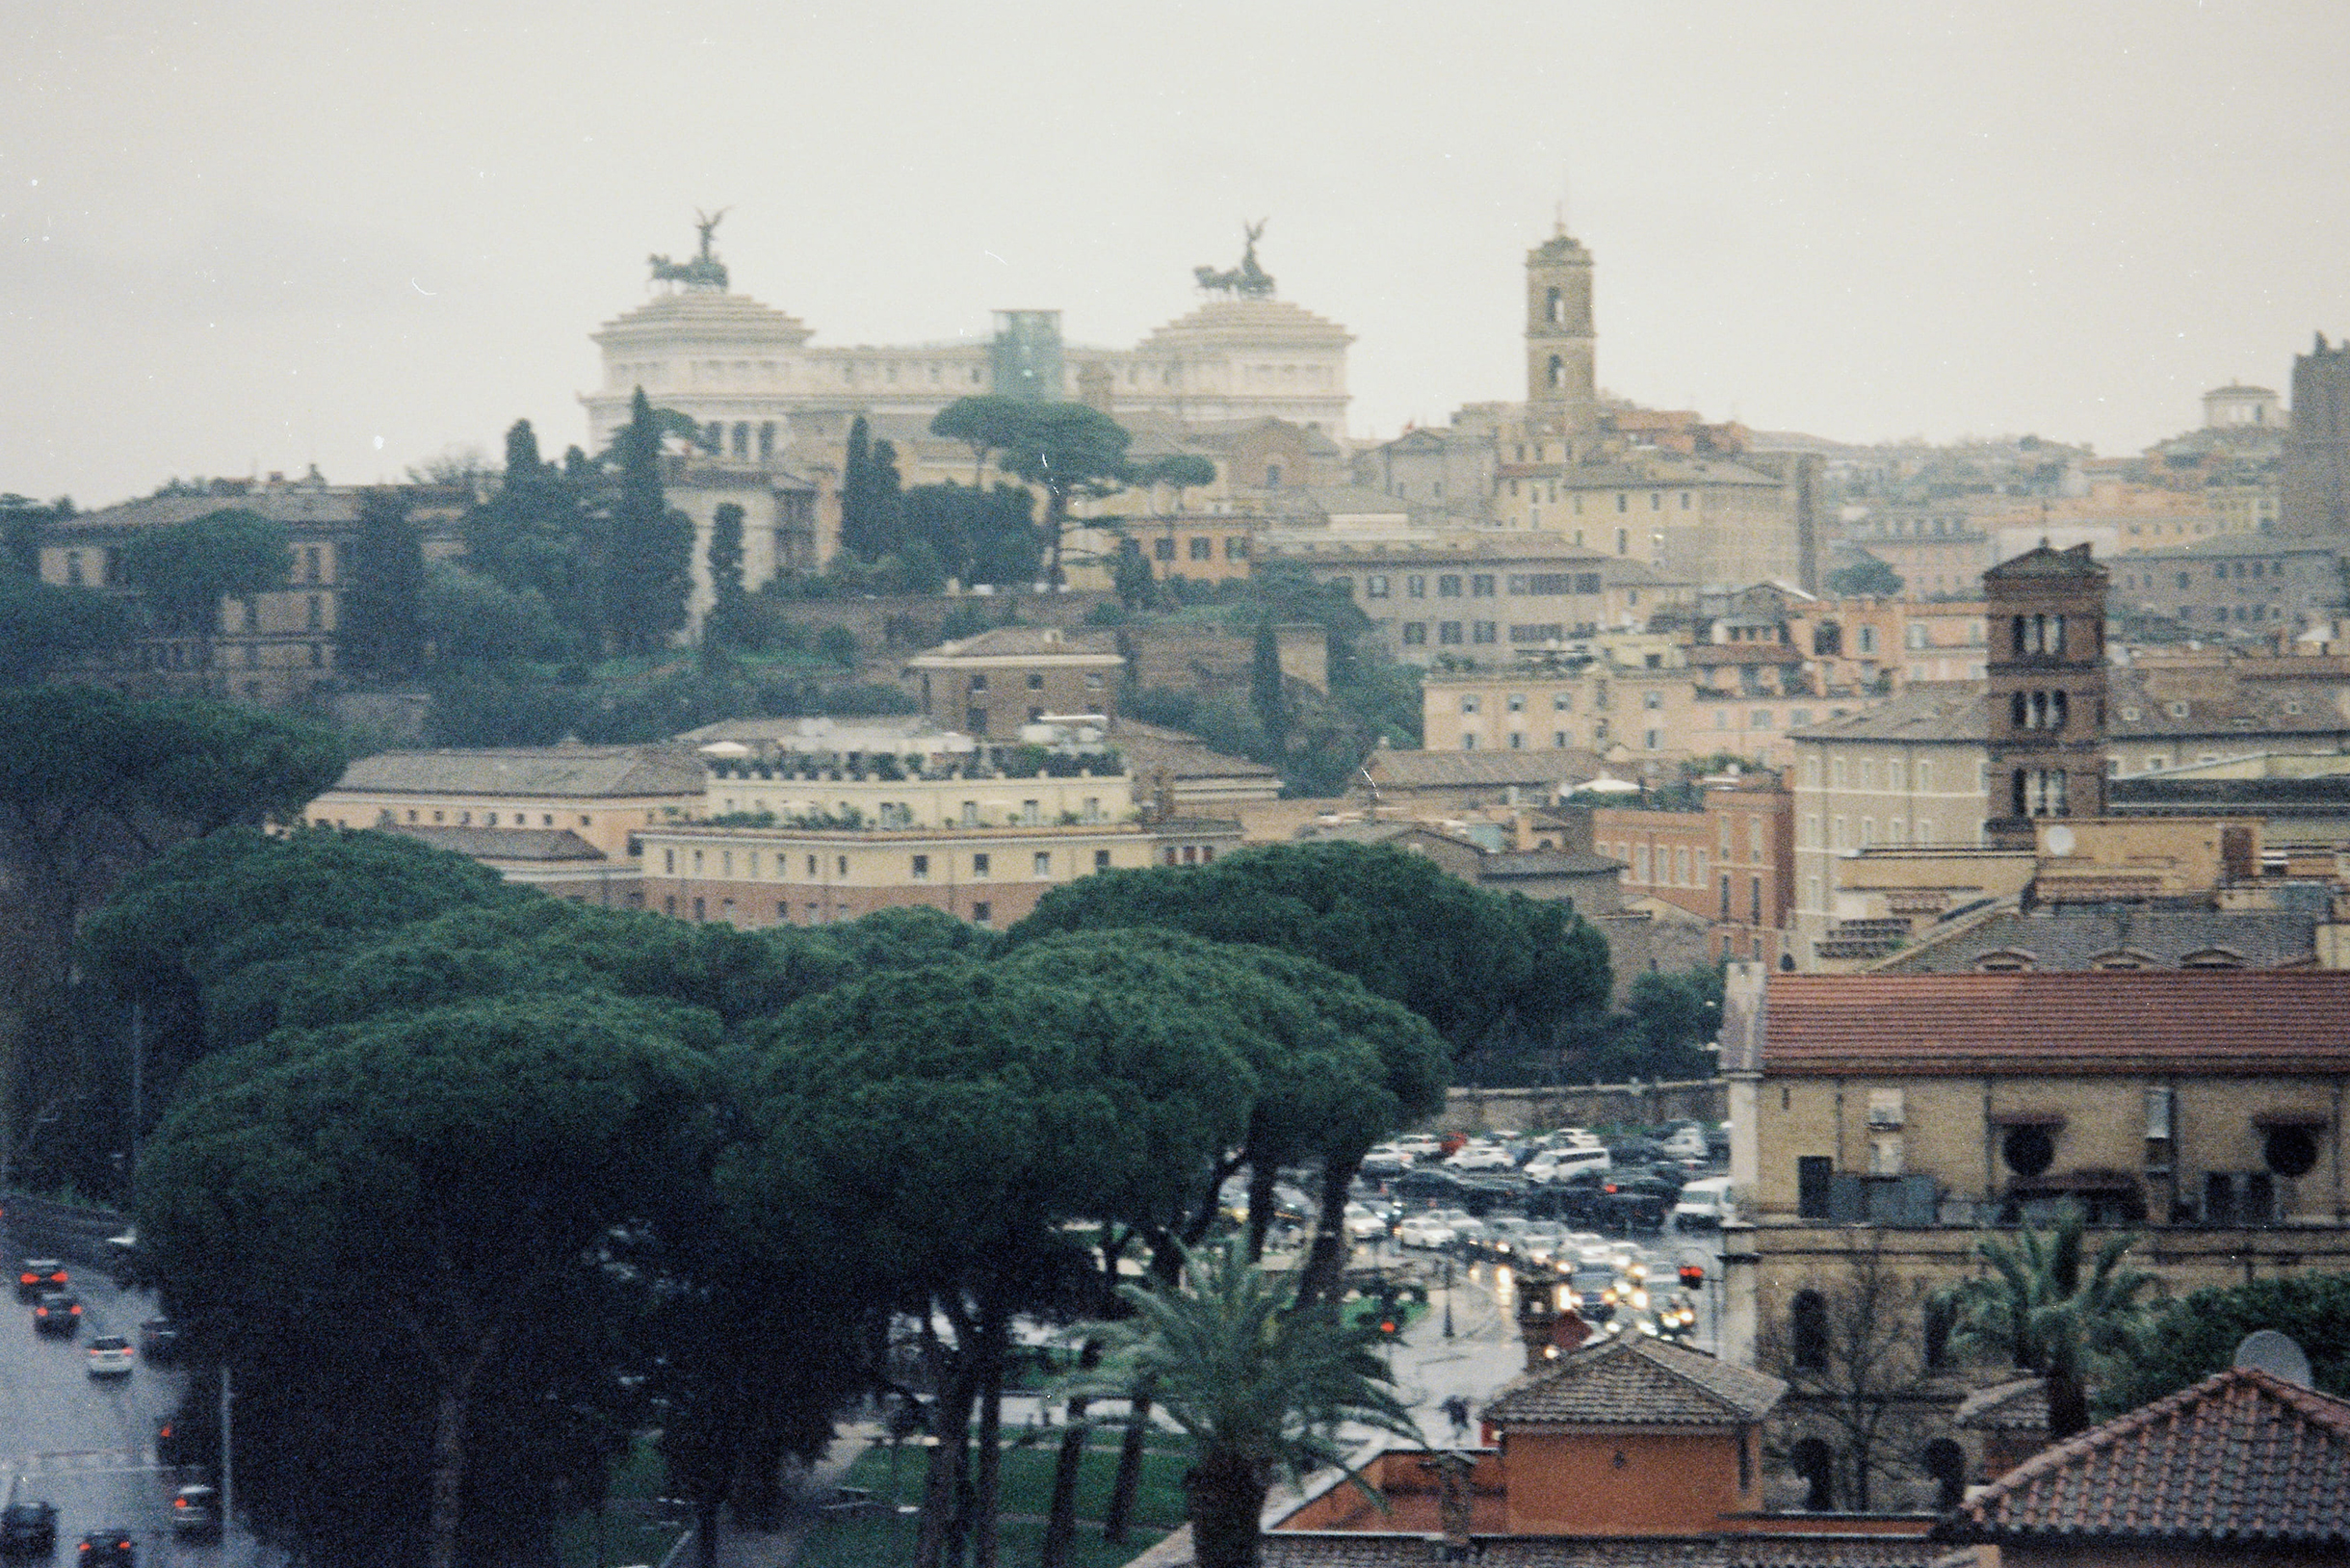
(1731, 861)
(990, 685)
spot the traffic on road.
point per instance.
(81, 1479)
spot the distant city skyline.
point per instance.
(253, 241)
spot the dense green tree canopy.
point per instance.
(2193, 1337)
(1469, 962)
(211, 938)
(418, 1198)
(186, 570)
(43, 627)
(648, 561)
(381, 619)
(1867, 577)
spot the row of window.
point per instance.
(1896, 832)
(1094, 681)
(1896, 774)
(917, 866)
(1201, 547)
(1449, 632)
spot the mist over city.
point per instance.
(1257, 787)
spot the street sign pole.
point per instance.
(228, 1471)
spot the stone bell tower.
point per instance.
(1562, 386)
(2046, 624)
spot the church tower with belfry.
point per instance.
(2046, 624)
(1561, 373)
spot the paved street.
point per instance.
(87, 1443)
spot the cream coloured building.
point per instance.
(758, 383)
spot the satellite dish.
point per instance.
(2275, 1354)
(2060, 840)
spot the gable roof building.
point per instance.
(1632, 1380)
(2243, 1466)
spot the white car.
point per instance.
(1687, 1143)
(1561, 1164)
(1419, 1145)
(1421, 1231)
(1363, 1225)
(110, 1356)
(1480, 1156)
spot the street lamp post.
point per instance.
(1447, 1298)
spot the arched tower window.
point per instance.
(1808, 1320)
(1558, 372)
(1946, 1462)
(1556, 308)
(1815, 1462)
(2018, 630)
(2015, 710)
(2056, 708)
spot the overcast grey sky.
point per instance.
(252, 236)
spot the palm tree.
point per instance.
(2052, 1308)
(1261, 1384)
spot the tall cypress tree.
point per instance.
(647, 570)
(1265, 694)
(857, 492)
(885, 527)
(723, 624)
(381, 619)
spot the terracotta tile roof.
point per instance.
(1285, 1549)
(1632, 1381)
(1919, 712)
(2241, 1458)
(2229, 1021)
(502, 843)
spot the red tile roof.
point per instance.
(2243, 1457)
(2240, 1021)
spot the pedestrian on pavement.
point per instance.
(1456, 1410)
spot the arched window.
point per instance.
(1946, 1462)
(1558, 372)
(1556, 308)
(2018, 635)
(1939, 1318)
(2039, 716)
(2212, 958)
(1807, 1324)
(1815, 1462)
(2006, 961)
(2018, 711)
(2056, 709)
(2030, 1149)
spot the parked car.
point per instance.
(196, 1510)
(1363, 1225)
(59, 1312)
(1480, 1156)
(28, 1529)
(1686, 1141)
(36, 1277)
(1564, 1165)
(110, 1356)
(1386, 1161)
(1419, 1145)
(108, 1549)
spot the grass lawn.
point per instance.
(889, 1543)
(636, 1475)
(1026, 1494)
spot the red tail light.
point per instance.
(76, 1311)
(28, 1279)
